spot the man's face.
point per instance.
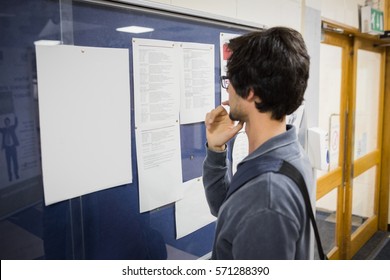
(236, 112)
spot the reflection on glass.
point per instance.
(367, 103)
(363, 197)
(326, 209)
(329, 100)
(334, 141)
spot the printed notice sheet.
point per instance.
(157, 102)
(159, 166)
(156, 82)
(84, 107)
(192, 212)
(197, 92)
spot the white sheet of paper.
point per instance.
(159, 166)
(239, 149)
(84, 107)
(192, 212)
(156, 81)
(296, 118)
(197, 92)
(157, 101)
(224, 39)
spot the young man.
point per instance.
(266, 79)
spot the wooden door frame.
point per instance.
(350, 243)
(354, 241)
(385, 169)
(334, 179)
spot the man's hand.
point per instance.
(220, 128)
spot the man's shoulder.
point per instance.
(272, 191)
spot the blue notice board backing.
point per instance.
(107, 224)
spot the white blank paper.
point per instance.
(192, 212)
(84, 106)
(240, 149)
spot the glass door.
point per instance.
(362, 189)
(351, 111)
(335, 63)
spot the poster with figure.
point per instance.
(19, 142)
(20, 166)
(9, 145)
(9, 140)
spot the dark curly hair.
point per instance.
(274, 63)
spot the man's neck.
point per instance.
(261, 128)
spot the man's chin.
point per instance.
(233, 118)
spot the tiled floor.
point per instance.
(21, 235)
(18, 244)
(326, 226)
(373, 247)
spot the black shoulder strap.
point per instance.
(292, 172)
(251, 169)
(255, 167)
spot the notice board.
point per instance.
(108, 224)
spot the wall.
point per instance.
(270, 13)
(277, 12)
(344, 11)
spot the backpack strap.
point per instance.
(255, 167)
(251, 169)
(292, 172)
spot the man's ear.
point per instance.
(252, 97)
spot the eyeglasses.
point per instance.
(225, 82)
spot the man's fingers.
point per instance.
(213, 114)
(238, 127)
(220, 110)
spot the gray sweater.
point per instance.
(266, 217)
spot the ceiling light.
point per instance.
(47, 43)
(135, 29)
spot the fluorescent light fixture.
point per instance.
(134, 29)
(47, 43)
